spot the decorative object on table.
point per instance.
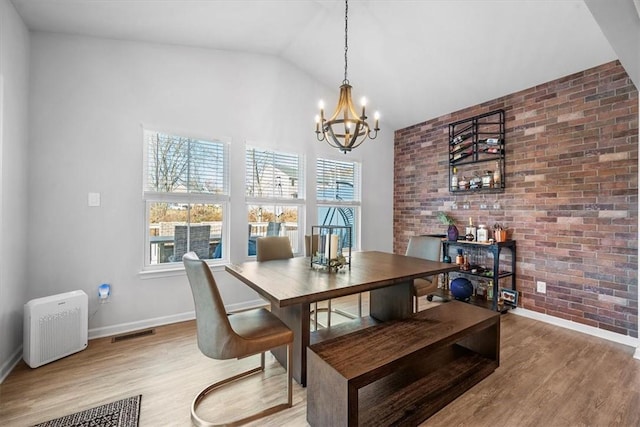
(499, 232)
(121, 413)
(452, 230)
(334, 246)
(509, 297)
(461, 288)
(470, 231)
(482, 233)
(345, 130)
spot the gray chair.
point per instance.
(240, 335)
(198, 242)
(273, 228)
(273, 247)
(425, 247)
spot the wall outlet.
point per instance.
(541, 287)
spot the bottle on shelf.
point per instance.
(490, 290)
(487, 179)
(497, 175)
(454, 179)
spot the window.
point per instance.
(338, 195)
(275, 203)
(185, 190)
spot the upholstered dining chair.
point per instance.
(240, 335)
(310, 248)
(273, 247)
(426, 247)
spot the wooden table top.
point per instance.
(293, 281)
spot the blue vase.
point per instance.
(461, 288)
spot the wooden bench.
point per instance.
(402, 371)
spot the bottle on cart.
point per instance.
(466, 265)
(459, 258)
(471, 231)
(482, 233)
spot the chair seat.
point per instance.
(423, 287)
(262, 328)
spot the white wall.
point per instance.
(14, 75)
(88, 100)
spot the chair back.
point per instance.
(425, 247)
(216, 338)
(273, 247)
(311, 246)
(273, 228)
(199, 237)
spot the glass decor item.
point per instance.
(334, 247)
(452, 233)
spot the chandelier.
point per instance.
(345, 130)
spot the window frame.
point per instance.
(150, 197)
(355, 204)
(273, 202)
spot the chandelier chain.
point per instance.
(346, 40)
(345, 129)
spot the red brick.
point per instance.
(554, 177)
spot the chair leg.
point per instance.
(199, 422)
(346, 314)
(330, 310)
(290, 375)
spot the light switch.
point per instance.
(94, 199)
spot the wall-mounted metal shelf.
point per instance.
(477, 154)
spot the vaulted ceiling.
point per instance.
(414, 60)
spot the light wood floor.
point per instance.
(548, 376)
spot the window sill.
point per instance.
(177, 270)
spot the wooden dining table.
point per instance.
(291, 285)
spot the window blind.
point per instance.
(272, 175)
(337, 180)
(177, 164)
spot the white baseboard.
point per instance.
(123, 328)
(579, 327)
(11, 363)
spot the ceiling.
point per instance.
(414, 60)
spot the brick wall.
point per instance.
(570, 199)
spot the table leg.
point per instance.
(392, 302)
(297, 318)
